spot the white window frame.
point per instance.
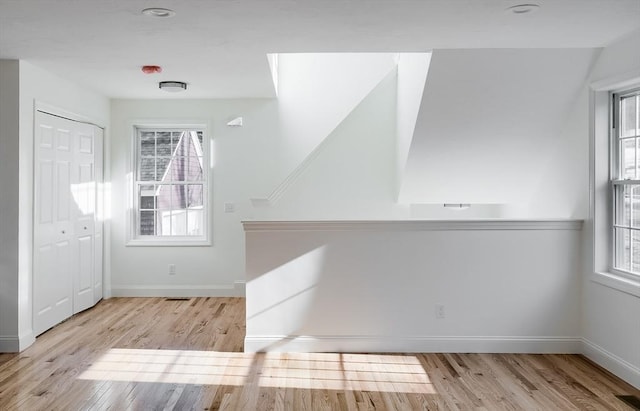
(618, 184)
(602, 172)
(133, 237)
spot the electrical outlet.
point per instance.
(439, 311)
(229, 207)
(172, 269)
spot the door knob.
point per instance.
(62, 231)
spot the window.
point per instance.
(626, 181)
(170, 186)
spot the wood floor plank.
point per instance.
(155, 354)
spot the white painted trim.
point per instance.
(240, 287)
(611, 362)
(618, 282)
(412, 225)
(57, 111)
(26, 340)
(616, 82)
(169, 242)
(14, 343)
(479, 344)
(237, 289)
(9, 343)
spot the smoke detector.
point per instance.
(523, 9)
(158, 12)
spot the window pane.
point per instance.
(162, 165)
(176, 139)
(147, 223)
(163, 199)
(635, 251)
(195, 224)
(628, 158)
(194, 172)
(628, 116)
(163, 143)
(623, 204)
(147, 169)
(634, 209)
(178, 197)
(179, 222)
(623, 246)
(173, 170)
(148, 146)
(195, 197)
(147, 197)
(164, 222)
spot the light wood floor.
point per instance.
(154, 354)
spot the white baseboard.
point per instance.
(9, 343)
(14, 343)
(565, 345)
(237, 289)
(611, 362)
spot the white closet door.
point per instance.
(67, 268)
(98, 228)
(54, 240)
(84, 195)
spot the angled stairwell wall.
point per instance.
(412, 75)
(316, 92)
(351, 173)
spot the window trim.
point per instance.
(133, 239)
(616, 179)
(601, 216)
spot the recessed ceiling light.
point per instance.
(172, 86)
(523, 8)
(158, 12)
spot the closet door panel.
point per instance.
(84, 194)
(54, 242)
(65, 245)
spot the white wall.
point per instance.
(242, 164)
(358, 286)
(34, 85)
(9, 208)
(316, 92)
(561, 186)
(352, 174)
(491, 122)
(611, 325)
(412, 75)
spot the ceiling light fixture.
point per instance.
(158, 12)
(172, 86)
(523, 9)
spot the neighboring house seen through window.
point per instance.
(626, 181)
(170, 193)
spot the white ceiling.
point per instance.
(219, 46)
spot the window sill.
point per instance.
(177, 242)
(618, 282)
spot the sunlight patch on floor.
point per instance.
(357, 372)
